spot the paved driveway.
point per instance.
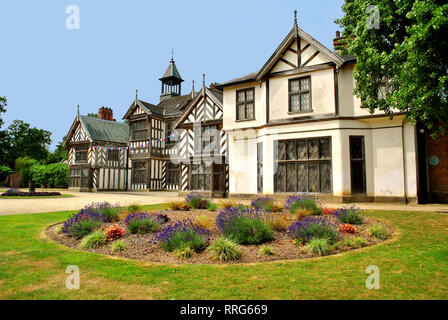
(80, 199)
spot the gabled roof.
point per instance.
(172, 106)
(147, 107)
(172, 72)
(100, 130)
(215, 95)
(295, 33)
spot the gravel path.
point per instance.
(80, 199)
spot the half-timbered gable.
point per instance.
(97, 154)
(202, 145)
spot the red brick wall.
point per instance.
(438, 175)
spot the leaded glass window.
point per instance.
(139, 172)
(139, 130)
(81, 154)
(200, 176)
(300, 94)
(303, 166)
(245, 104)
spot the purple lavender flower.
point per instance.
(260, 202)
(193, 195)
(82, 222)
(296, 198)
(12, 192)
(144, 215)
(182, 234)
(314, 227)
(350, 214)
(245, 225)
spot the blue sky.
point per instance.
(47, 69)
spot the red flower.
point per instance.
(114, 232)
(347, 228)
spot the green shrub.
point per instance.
(198, 203)
(118, 246)
(143, 225)
(133, 208)
(305, 204)
(185, 239)
(185, 253)
(319, 246)
(251, 231)
(212, 206)
(94, 240)
(356, 242)
(245, 225)
(378, 231)
(24, 165)
(111, 213)
(84, 227)
(4, 171)
(55, 175)
(266, 250)
(351, 215)
(223, 249)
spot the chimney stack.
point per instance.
(337, 42)
(106, 114)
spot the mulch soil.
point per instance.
(142, 247)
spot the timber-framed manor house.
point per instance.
(294, 126)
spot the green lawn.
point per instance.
(413, 265)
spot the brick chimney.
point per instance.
(337, 42)
(106, 114)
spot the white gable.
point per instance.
(80, 134)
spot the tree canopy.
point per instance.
(20, 140)
(3, 104)
(403, 65)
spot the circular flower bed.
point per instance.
(233, 234)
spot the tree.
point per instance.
(93, 115)
(403, 65)
(59, 154)
(3, 104)
(20, 140)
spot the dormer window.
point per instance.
(139, 130)
(300, 94)
(245, 104)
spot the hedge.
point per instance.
(55, 175)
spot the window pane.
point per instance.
(305, 84)
(291, 180)
(241, 96)
(294, 102)
(200, 182)
(290, 150)
(194, 182)
(294, 86)
(249, 110)
(249, 95)
(313, 177)
(324, 149)
(280, 178)
(207, 182)
(325, 177)
(241, 112)
(281, 150)
(302, 177)
(302, 150)
(304, 101)
(313, 149)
